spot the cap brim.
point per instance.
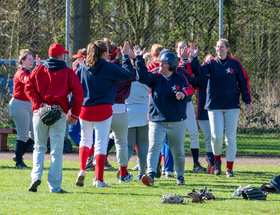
(163, 61)
(76, 56)
(66, 52)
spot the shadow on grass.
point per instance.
(13, 167)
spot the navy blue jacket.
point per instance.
(99, 82)
(163, 105)
(201, 87)
(225, 83)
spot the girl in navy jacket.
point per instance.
(167, 112)
(98, 78)
(227, 79)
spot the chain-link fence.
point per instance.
(252, 28)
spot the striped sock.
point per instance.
(123, 170)
(99, 168)
(91, 151)
(195, 153)
(218, 158)
(83, 154)
(229, 165)
(163, 160)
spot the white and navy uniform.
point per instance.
(167, 115)
(227, 79)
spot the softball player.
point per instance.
(137, 109)
(191, 122)
(155, 50)
(20, 108)
(98, 78)
(119, 123)
(167, 112)
(49, 84)
(227, 79)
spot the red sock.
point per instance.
(83, 154)
(217, 158)
(91, 151)
(136, 148)
(163, 160)
(123, 170)
(229, 165)
(99, 168)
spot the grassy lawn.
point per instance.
(133, 197)
(246, 144)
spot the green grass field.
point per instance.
(246, 144)
(133, 197)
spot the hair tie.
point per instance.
(154, 54)
(115, 51)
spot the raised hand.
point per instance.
(75, 64)
(193, 50)
(131, 54)
(137, 50)
(179, 95)
(38, 60)
(185, 53)
(125, 48)
(248, 108)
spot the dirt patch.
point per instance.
(240, 160)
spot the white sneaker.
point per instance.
(135, 168)
(238, 191)
(94, 181)
(162, 171)
(100, 184)
(125, 179)
(168, 174)
(81, 178)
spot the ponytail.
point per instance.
(95, 51)
(112, 47)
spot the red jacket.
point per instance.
(20, 80)
(53, 87)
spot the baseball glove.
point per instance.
(268, 188)
(172, 199)
(205, 194)
(195, 197)
(50, 114)
(208, 196)
(253, 194)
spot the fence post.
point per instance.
(67, 30)
(221, 4)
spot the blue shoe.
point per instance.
(127, 178)
(139, 177)
(180, 181)
(147, 180)
(275, 182)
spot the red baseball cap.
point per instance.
(78, 55)
(56, 49)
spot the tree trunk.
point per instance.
(79, 26)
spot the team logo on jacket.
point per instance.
(230, 70)
(175, 87)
